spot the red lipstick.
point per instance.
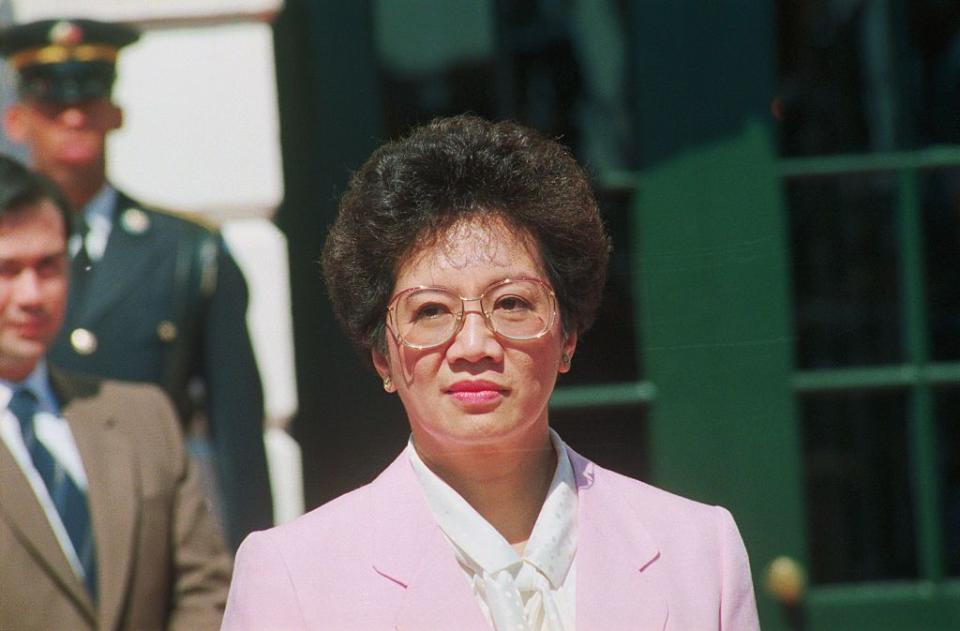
(475, 391)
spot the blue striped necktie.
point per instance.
(69, 500)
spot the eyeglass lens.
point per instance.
(520, 309)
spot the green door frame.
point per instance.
(714, 287)
(932, 602)
(713, 284)
(711, 258)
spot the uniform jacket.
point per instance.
(167, 304)
(375, 559)
(161, 562)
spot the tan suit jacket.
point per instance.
(161, 560)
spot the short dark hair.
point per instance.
(21, 187)
(412, 190)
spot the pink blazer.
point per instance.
(375, 559)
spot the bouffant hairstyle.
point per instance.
(410, 192)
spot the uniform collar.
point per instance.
(100, 207)
(98, 215)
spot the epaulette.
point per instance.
(198, 246)
(200, 219)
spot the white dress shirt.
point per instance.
(532, 592)
(54, 432)
(98, 213)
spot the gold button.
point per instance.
(83, 341)
(135, 221)
(167, 331)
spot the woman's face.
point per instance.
(476, 388)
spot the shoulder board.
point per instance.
(198, 219)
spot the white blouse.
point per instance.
(532, 592)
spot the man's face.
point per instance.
(33, 285)
(62, 136)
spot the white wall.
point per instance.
(142, 10)
(201, 127)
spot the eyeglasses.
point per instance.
(517, 309)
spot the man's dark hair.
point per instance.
(411, 191)
(21, 187)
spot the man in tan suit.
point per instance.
(102, 521)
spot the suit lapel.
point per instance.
(21, 510)
(109, 462)
(618, 586)
(411, 550)
(127, 253)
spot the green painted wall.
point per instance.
(712, 281)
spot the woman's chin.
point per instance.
(480, 430)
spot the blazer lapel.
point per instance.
(21, 510)
(411, 550)
(127, 253)
(618, 586)
(109, 462)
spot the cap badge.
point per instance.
(65, 33)
(135, 221)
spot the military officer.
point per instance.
(154, 297)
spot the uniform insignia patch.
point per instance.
(135, 221)
(83, 341)
(65, 33)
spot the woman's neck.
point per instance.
(506, 486)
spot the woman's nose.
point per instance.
(475, 341)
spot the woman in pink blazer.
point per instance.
(466, 260)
